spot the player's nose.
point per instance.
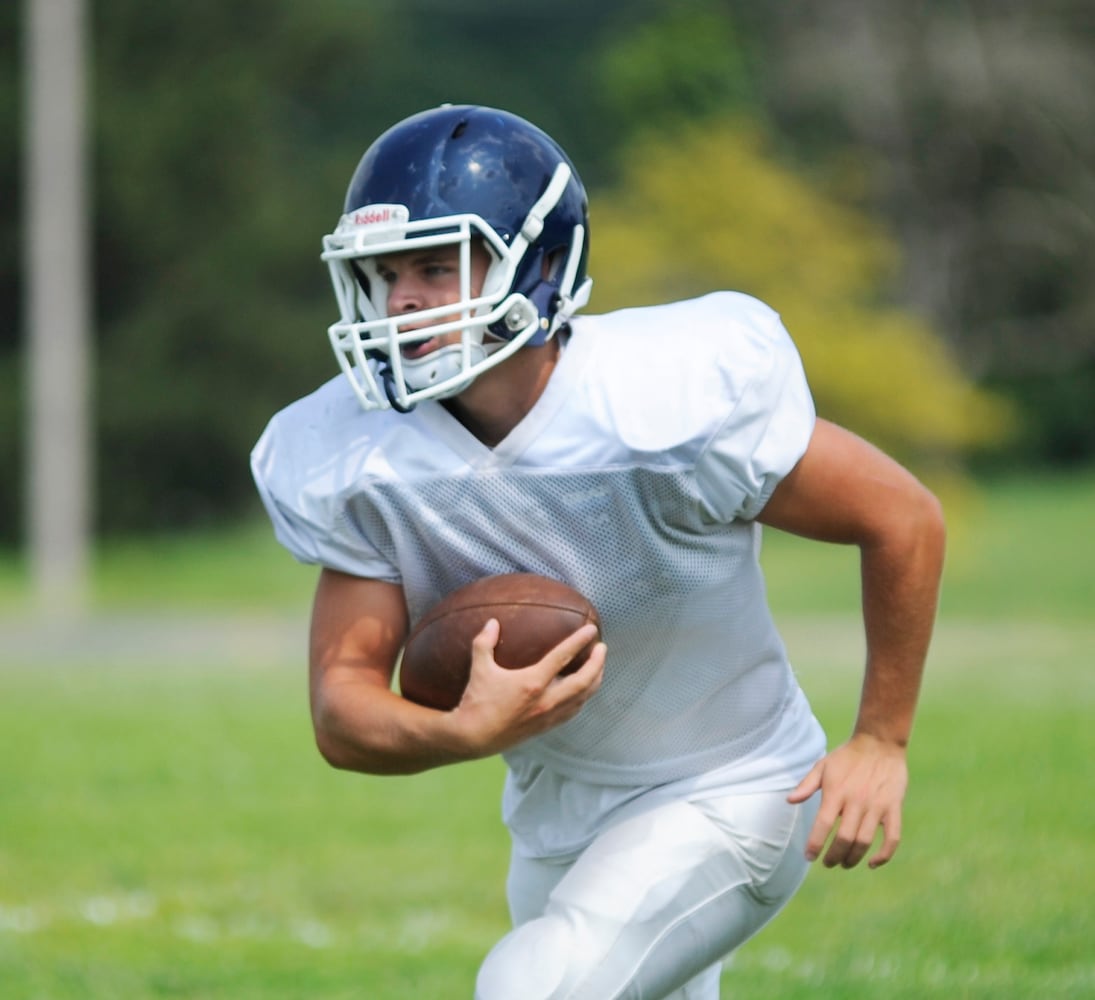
(404, 295)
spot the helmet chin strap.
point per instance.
(438, 366)
(388, 381)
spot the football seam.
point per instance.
(505, 604)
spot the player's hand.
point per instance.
(502, 707)
(862, 787)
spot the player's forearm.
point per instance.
(901, 576)
(374, 731)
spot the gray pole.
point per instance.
(58, 306)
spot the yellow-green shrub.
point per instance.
(707, 209)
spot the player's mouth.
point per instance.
(418, 349)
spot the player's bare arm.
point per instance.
(358, 628)
(846, 491)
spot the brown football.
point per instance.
(535, 613)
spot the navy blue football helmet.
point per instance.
(449, 177)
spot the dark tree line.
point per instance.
(224, 135)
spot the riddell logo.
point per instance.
(372, 223)
(378, 215)
(370, 216)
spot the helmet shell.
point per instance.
(464, 159)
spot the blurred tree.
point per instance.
(685, 63)
(225, 135)
(202, 206)
(210, 202)
(224, 139)
(705, 208)
(541, 61)
(976, 124)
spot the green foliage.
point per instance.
(224, 135)
(1058, 408)
(223, 139)
(687, 63)
(974, 125)
(212, 301)
(707, 208)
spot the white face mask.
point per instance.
(368, 343)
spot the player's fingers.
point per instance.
(891, 826)
(843, 842)
(807, 786)
(588, 676)
(861, 842)
(487, 638)
(559, 656)
(826, 820)
(567, 694)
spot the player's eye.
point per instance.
(437, 269)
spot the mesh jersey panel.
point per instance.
(696, 674)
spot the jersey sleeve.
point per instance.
(306, 508)
(769, 425)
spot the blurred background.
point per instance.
(911, 185)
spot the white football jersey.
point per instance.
(635, 478)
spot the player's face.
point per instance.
(426, 279)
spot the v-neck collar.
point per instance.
(455, 436)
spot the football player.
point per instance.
(666, 800)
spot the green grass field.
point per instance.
(167, 830)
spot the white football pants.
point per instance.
(649, 910)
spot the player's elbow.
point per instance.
(340, 741)
(327, 730)
(347, 755)
(916, 530)
(931, 522)
(332, 749)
